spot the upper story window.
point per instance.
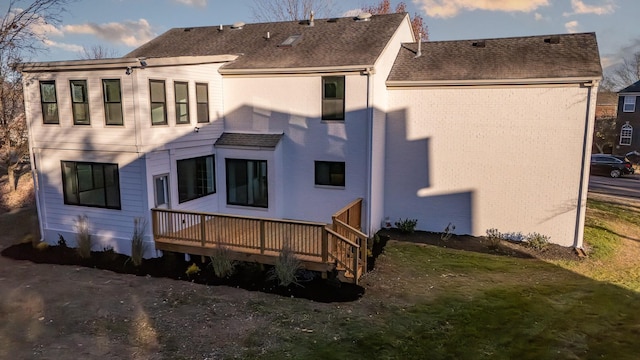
(112, 101)
(158, 102)
(626, 134)
(333, 98)
(79, 102)
(202, 99)
(182, 102)
(329, 173)
(91, 184)
(49, 102)
(629, 104)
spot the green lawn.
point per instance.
(425, 302)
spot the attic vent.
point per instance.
(187, 29)
(365, 16)
(479, 44)
(333, 20)
(238, 25)
(552, 40)
(291, 40)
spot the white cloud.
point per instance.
(64, 46)
(451, 8)
(571, 26)
(538, 16)
(579, 7)
(196, 3)
(130, 33)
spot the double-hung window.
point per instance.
(329, 173)
(629, 104)
(158, 102)
(182, 102)
(79, 102)
(49, 102)
(196, 178)
(91, 184)
(247, 182)
(112, 101)
(202, 99)
(626, 134)
(333, 98)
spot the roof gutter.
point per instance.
(293, 70)
(493, 82)
(117, 63)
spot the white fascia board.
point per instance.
(492, 82)
(306, 70)
(116, 63)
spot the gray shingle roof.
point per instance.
(263, 141)
(531, 57)
(635, 87)
(330, 42)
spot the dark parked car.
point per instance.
(610, 165)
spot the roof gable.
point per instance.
(516, 58)
(633, 88)
(328, 43)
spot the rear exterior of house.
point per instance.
(292, 121)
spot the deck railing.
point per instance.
(340, 243)
(259, 235)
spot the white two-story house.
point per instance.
(294, 120)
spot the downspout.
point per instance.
(580, 214)
(369, 72)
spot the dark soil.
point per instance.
(482, 245)
(248, 276)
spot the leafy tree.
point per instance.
(417, 22)
(22, 34)
(623, 74)
(604, 133)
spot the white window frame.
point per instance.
(629, 104)
(626, 134)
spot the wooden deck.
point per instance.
(319, 247)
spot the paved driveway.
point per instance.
(626, 186)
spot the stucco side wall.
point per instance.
(292, 105)
(480, 158)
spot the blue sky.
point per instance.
(122, 25)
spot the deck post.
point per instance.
(355, 265)
(154, 222)
(262, 237)
(325, 246)
(203, 229)
(363, 253)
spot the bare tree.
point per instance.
(623, 74)
(97, 52)
(417, 22)
(284, 10)
(22, 34)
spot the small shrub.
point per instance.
(448, 232)
(138, 246)
(192, 270)
(514, 236)
(221, 262)
(494, 236)
(61, 241)
(537, 241)
(407, 225)
(42, 246)
(286, 267)
(83, 236)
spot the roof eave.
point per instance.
(298, 70)
(105, 64)
(493, 82)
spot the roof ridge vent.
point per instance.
(238, 25)
(555, 39)
(365, 16)
(479, 44)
